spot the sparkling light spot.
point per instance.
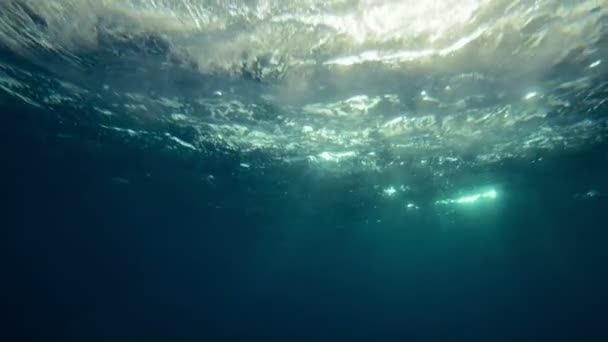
(178, 117)
(326, 156)
(336, 156)
(390, 191)
(490, 195)
(468, 199)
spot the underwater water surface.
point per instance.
(326, 170)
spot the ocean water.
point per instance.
(317, 170)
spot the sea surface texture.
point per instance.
(304, 169)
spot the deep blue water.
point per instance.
(106, 239)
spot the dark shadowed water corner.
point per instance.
(113, 232)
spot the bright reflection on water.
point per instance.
(470, 199)
(427, 89)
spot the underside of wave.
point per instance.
(110, 38)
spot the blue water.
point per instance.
(87, 254)
(288, 172)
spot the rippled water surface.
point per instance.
(366, 83)
(305, 167)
